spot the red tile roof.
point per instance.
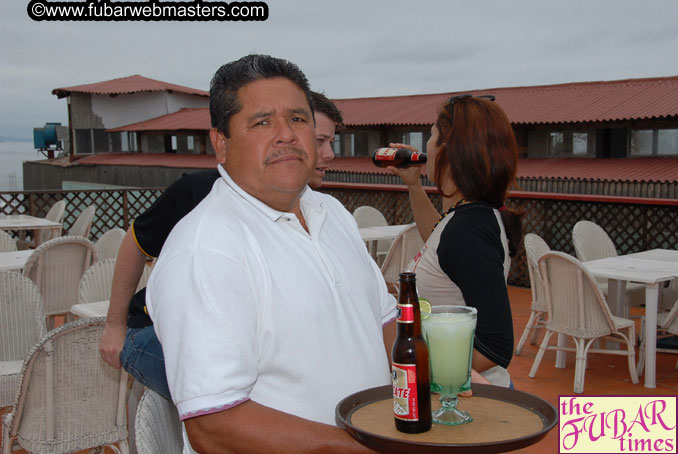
(131, 84)
(187, 119)
(624, 169)
(563, 103)
(190, 161)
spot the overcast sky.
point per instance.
(347, 48)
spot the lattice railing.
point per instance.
(634, 224)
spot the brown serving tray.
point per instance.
(503, 420)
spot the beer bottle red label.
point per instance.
(385, 154)
(405, 403)
(405, 313)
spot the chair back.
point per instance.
(95, 285)
(670, 324)
(367, 216)
(591, 242)
(576, 306)
(70, 399)
(108, 244)
(56, 214)
(535, 247)
(83, 223)
(157, 426)
(7, 243)
(57, 267)
(22, 324)
(405, 246)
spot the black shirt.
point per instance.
(152, 228)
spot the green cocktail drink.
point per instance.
(448, 331)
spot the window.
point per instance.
(416, 139)
(571, 143)
(653, 142)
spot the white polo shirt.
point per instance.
(248, 305)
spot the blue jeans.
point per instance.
(142, 358)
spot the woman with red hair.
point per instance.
(472, 159)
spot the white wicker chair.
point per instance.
(69, 399)
(57, 267)
(83, 223)
(591, 242)
(7, 243)
(108, 244)
(367, 216)
(95, 284)
(22, 324)
(535, 247)
(405, 246)
(56, 214)
(157, 426)
(578, 309)
(668, 325)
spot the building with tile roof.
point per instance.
(568, 133)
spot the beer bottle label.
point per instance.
(385, 154)
(405, 313)
(405, 404)
(415, 157)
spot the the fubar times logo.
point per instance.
(617, 424)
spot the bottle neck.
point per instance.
(409, 319)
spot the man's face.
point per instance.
(324, 136)
(271, 150)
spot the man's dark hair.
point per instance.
(322, 104)
(232, 76)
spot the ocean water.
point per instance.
(12, 155)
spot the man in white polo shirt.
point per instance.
(267, 305)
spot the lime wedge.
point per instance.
(424, 306)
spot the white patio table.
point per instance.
(96, 309)
(371, 235)
(21, 222)
(651, 268)
(15, 260)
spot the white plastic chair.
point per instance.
(404, 248)
(367, 216)
(667, 322)
(108, 244)
(577, 308)
(157, 426)
(69, 399)
(535, 247)
(7, 243)
(57, 267)
(22, 324)
(591, 242)
(56, 214)
(83, 224)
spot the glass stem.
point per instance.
(449, 402)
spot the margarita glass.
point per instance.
(448, 331)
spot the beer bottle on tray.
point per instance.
(410, 368)
(397, 157)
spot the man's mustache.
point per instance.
(284, 152)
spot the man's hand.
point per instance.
(112, 340)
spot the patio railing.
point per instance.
(634, 224)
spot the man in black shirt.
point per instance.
(129, 339)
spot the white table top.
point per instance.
(26, 222)
(385, 232)
(96, 309)
(648, 267)
(14, 261)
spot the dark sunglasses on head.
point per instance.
(453, 99)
